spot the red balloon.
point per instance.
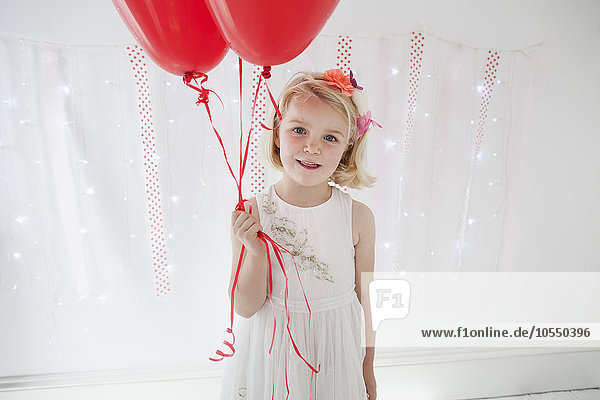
(270, 32)
(178, 35)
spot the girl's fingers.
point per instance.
(245, 223)
(245, 226)
(240, 219)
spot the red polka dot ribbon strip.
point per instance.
(490, 75)
(343, 61)
(344, 53)
(416, 65)
(157, 232)
(257, 171)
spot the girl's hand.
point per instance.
(245, 227)
(369, 377)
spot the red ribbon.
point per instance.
(203, 98)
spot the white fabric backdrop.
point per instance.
(77, 283)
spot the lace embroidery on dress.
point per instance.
(268, 205)
(295, 240)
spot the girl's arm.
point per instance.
(363, 228)
(251, 287)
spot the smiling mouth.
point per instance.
(308, 165)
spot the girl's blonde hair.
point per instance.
(351, 170)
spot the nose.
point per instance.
(311, 146)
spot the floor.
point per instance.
(585, 394)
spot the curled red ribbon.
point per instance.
(203, 98)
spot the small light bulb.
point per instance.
(66, 89)
(386, 245)
(395, 71)
(17, 255)
(102, 297)
(168, 83)
(479, 88)
(20, 220)
(174, 199)
(472, 122)
(90, 191)
(471, 220)
(83, 231)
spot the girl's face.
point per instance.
(312, 139)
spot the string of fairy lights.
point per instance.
(16, 230)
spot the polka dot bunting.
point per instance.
(257, 171)
(344, 55)
(491, 70)
(344, 52)
(490, 75)
(139, 68)
(417, 42)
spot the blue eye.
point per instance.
(331, 138)
(299, 130)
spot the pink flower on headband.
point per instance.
(364, 123)
(336, 77)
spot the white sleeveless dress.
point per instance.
(320, 238)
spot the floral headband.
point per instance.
(350, 88)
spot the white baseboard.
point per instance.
(416, 374)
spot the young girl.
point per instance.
(319, 142)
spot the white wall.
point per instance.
(558, 181)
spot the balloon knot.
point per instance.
(266, 72)
(190, 76)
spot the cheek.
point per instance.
(342, 151)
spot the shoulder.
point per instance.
(363, 222)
